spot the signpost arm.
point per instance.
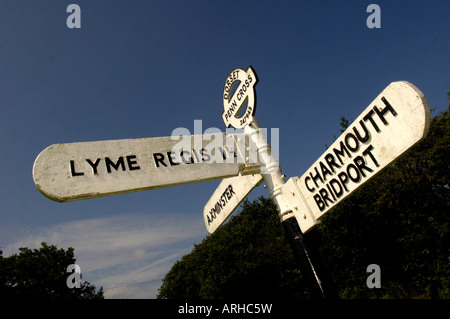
(275, 181)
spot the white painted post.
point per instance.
(275, 181)
(270, 168)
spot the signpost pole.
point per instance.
(270, 170)
(318, 283)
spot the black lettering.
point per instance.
(94, 165)
(361, 164)
(116, 165)
(358, 176)
(319, 202)
(230, 189)
(368, 150)
(197, 160)
(324, 170)
(221, 203)
(131, 163)
(203, 154)
(385, 110)
(171, 160)
(366, 133)
(369, 117)
(329, 158)
(340, 152)
(209, 220)
(323, 192)
(315, 177)
(72, 170)
(224, 198)
(343, 177)
(223, 153)
(229, 153)
(189, 161)
(307, 178)
(159, 158)
(350, 135)
(339, 192)
(331, 192)
(233, 105)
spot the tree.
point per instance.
(41, 274)
(246, 257)
(399, 220)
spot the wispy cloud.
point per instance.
(128, 254)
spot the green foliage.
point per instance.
(41, 274)
(344, 123)
(399, 220)
(248, 256)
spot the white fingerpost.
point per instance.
(270, 169)
(227, 197)
(395, 121)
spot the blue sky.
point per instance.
(144, 68)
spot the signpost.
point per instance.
(395, 121)
(244, 93)
(227, 197)
(74, 171)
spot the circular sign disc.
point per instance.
(234, 101)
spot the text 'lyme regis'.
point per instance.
(166, 159)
